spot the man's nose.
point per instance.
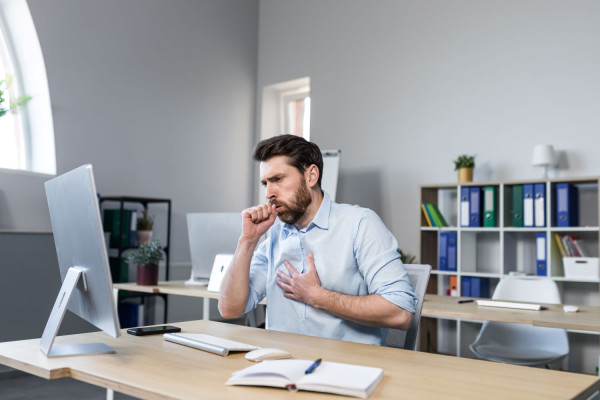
(269, 192)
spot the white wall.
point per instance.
(403, 87)
(157, 95)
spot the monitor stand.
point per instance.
(196, 280)
(74, 276)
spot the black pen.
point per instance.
(313, 366)
(466, 301)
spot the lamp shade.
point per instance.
(543, 154)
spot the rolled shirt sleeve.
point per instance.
(376, 252)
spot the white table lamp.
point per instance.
(543, 155)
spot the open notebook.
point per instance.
(329, 377)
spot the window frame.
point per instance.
(29, 76)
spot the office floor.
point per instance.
(16, 385)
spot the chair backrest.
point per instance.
(522, 344)
(419, 277)
(533, 290)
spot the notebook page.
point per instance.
(272, 372)
(348, 378)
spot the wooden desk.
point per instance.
(151, 368)
(586, 319)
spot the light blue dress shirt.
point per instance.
(354, 254)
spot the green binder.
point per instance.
(517, 206)
(120, 237)
(489, 206)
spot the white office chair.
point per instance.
(522, 344)
(419, 277)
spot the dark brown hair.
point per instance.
(301, 153)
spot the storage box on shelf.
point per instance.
(512, 229)
(119, 218)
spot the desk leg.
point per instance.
(206, 308)
(110, 394)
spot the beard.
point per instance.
(293, 211)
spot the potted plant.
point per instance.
(464, 164)
(145, 223)
(146, 257)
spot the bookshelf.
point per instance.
(491, 253)
(121, 241)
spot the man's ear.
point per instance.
(311, 174)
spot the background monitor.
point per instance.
(211, 234)
(78, 236)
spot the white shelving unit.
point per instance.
(496, 252)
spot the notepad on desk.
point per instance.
(328, 377)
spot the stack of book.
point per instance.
(577, 262)
(433, 216)
(570, 246)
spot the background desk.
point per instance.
(586, 319)
(149, 367)
(178, 288)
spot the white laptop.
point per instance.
(211, 234)
(219, 269)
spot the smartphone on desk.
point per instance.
(153, 330)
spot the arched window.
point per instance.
(26, 138)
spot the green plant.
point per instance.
(147, 253)
(7, 104)
(406, 258)
(464, 161)
(145, 222)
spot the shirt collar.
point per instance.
(320, 220)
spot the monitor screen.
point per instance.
(81, 251)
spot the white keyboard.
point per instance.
(509, 304)
(208, 343)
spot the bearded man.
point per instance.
(327, 269)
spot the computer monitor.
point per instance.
(211, 234)
(87, 285)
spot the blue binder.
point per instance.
(567, 205)
(528, 204)
(480, 287)
(475, 206)
(464, 206)
(465, 286)
(539, 206)
(443, 252)
(451, 251)
(540, 251)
